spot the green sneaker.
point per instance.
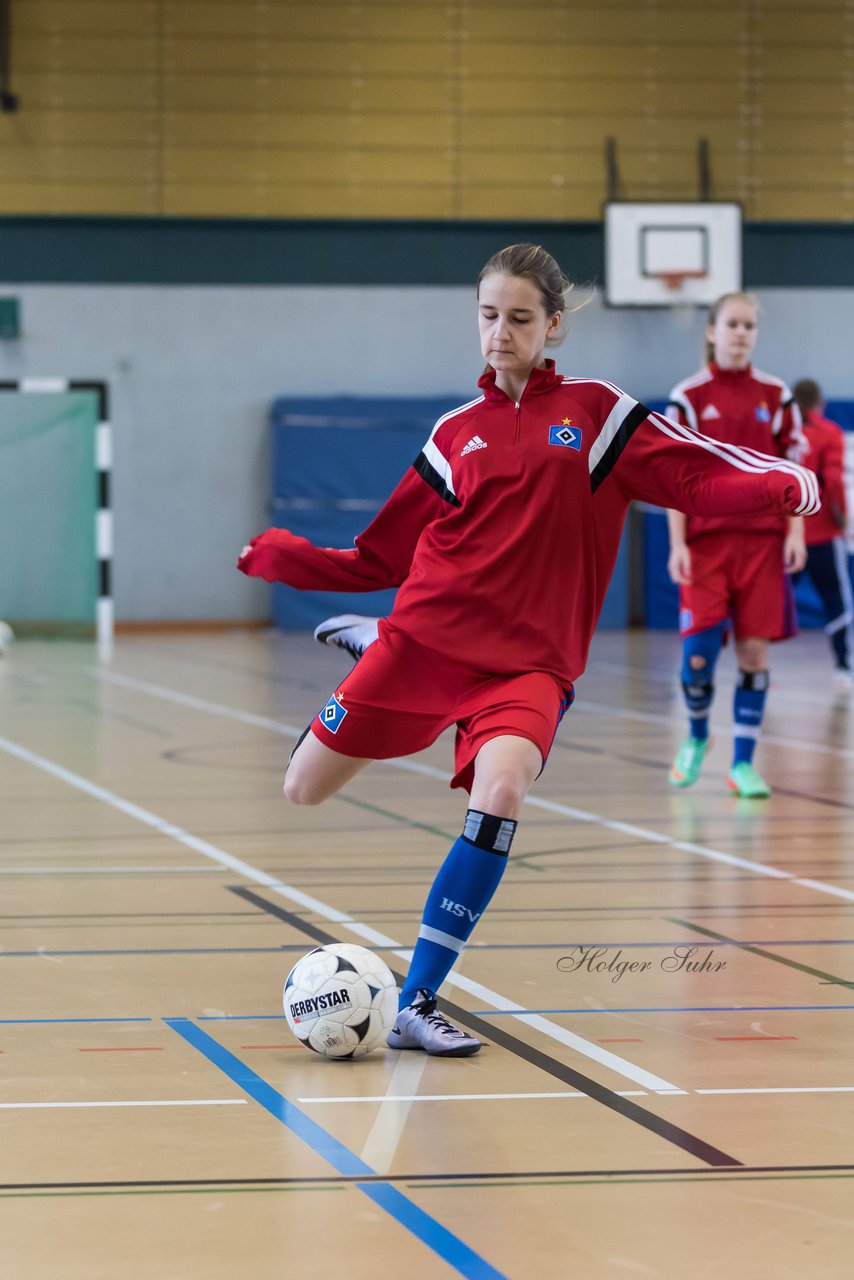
(746, 782)
(685, 769)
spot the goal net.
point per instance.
(48, 502)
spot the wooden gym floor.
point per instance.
(665, 985)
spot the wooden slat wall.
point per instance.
(463, 109)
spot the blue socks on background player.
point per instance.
(699, 654)
(460, 894)
(748, 705)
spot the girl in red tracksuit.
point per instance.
(827, 554)
(731, 567)
(501, 537)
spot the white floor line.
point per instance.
(237, 865)
(538, 1023)
(830, 1088)
(463, 1097)
(824, 888)
(381, 1144)
(161, 1102)
(718, 729)
(95, 870)
(536, 802)
(524, 1097)
(671, 678)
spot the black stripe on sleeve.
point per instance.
(609, 458)
(429, 473)
(681, 405)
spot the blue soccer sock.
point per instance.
(699, 654)
(460, 894)
(748, 705)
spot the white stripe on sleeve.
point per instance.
(610, 427)
(749, 460)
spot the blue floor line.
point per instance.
(481, 1013)
(240, 1017)
(159, 951)
(697, 1008)
(449, 1247)
(668, 944)
(564, 947)
(9, 1022)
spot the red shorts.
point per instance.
(739, 578)
(399, 697)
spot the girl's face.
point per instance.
(514, 325)
(733, 334)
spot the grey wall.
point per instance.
(193, 369)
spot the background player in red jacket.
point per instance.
(731, 568)
(502, 538)
(827, 554)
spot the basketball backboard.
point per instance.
(670, 254)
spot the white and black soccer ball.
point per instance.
(340, 1000)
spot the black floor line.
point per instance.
(506, 1176)
(625, 1107)
(826, 979)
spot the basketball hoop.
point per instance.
(674, 281)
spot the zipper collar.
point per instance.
(734, 375)
(539, 382)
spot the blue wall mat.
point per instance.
(661, 596)
(335, 461)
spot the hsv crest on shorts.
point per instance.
(332, 715)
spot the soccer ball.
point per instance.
(340, 1000)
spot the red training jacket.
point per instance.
(746, 408)
(826, 457)
(503, 534)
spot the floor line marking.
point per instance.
(150, 951)
(463, 1097)
(481, 1013)
(169, 829)
(413, 766)
(453, 1179)
(95, 870)
(18, 1022)
(829, 979)
(422, 1225)
(718, 728)
(694, 1008)
(564, 1036)
(161, 1102)
(740, 1038)
(827, 1088)
(147, 1048)
(381, 1145)
(271, 1046)
(516, 1097)
(627, 1108)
